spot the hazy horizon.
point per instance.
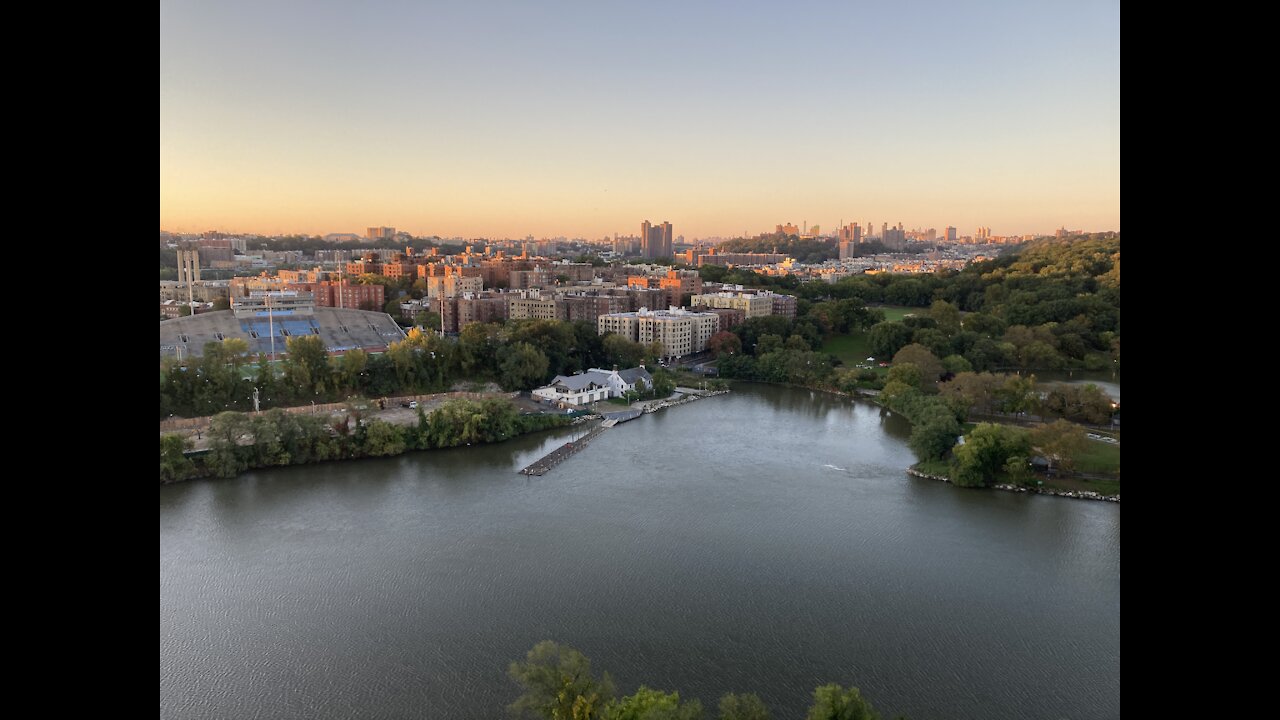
(502, 119)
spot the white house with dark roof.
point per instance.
(594, 385)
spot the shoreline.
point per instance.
(649, 407)
(911, 470)
(1077, 495)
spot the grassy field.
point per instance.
(856, 347)
(851, 349)
(1100, 458)
(935, 467)
(895, 314)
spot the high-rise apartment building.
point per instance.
(951, 234)
(851, 232)
(655, 240)
(188, 265)
(380, 233)
(894, 238)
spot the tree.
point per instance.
(558, 685)
(968, 391)
(798, 342)
(956, 364)
(649, 704)
(174, 465)
(521, 366)
(383, 439)
(933, 339)
(1080, 403)
(221, 303)
(622, 352)
(1018, 470)
(934, 435)
(350, 367)
(307, 367)
(743, 707)
(832, 702)
(985, 452)
(226, 456)
(428, 320)
(1018, 394)
(887, 338)
(946, 315)
(724, 343)
(236, 349)
(1060, 442)
(929, 364)
(664, 383)
(768, 343)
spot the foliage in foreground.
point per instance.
(558, 685)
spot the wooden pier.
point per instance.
(560, 454)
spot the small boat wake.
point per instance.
(833, 467)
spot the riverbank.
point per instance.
(236, 442)
(914, 469)
(1077, 494)
(252, 441)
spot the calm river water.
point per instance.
(765, 541)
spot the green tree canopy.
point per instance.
(649, 704)
(887, 338)
(928, 363)
(558, 685)
(832, 702)
(521, 366)
(742, 707)
(1060, 442)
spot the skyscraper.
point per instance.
(951, 234)
(655, 241)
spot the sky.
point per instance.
(496, 119)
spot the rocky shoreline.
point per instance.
(686, 399)
(1078, 495)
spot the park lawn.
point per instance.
(895, 314)
(1099, 458)
(855, 347)
(851, 349)
(941, 468)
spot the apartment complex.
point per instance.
(681, 332)
(750, 304)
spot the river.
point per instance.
(764, 541)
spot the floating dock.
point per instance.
(560, 454)
(621, 416)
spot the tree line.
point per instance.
(558, 684)
(937, 405)
(518, 355)
(240, 441)
(1052, 304)
(809, 250)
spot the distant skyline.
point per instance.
(505, 119)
